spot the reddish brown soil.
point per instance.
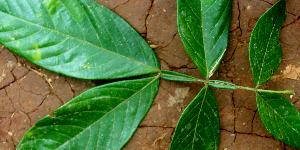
(27, 92)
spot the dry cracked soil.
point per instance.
(28, 92)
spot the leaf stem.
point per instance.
(289, 92)
(175, 76)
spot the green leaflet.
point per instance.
(203, 26)
(104, 117)
(280, 117)
(265, 52)
(77, 38)
(199, 124)
(222, 84)
(175, 76)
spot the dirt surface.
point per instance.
(28, 92)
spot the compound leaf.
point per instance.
(199, 124)
(280, 117)
(265, 52)
(203, 26)
(77, 38)
(104, 117)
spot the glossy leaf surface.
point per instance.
(77, 38)
(104, 117)
(175, 76)
(199, 124)
(265, 52)
(280, 117)
(222, 84)
(203, 26)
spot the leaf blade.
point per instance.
(104, 117)
(265, 52)
(175, 76)
(280, 117)
(190, 132)
(96, 44)
(204, 31)
(222, 84)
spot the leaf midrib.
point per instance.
(206, 65)
(157, 70)
(269, 39)
(204, 98)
